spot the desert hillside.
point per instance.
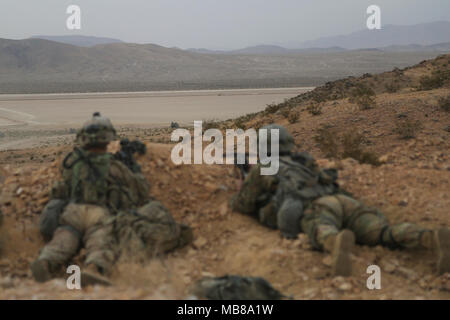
(387, 133)
(42, 66)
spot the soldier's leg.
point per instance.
(64, 245)
(151, 229)
(323, 222)
(322, 219)
(372, 228)
(99, 239)
(159, 230)
(411, 236)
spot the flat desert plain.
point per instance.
(26, 119)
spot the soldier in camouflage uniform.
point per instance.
(301, 197)
(101, 204)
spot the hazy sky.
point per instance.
(214, 24)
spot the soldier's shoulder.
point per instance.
(303, 155)
(117, 167)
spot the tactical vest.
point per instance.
(89, 183)
(299, 178)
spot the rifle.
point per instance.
(127, 150)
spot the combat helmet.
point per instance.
(96, 132)
(286, 141)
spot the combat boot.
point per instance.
(439, 242)
(340, 246)
(40, 269)
(91, 276)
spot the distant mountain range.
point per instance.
(423, 34)
(428, 37)
(37, 65)
(81, 41)
(434, 36)
(269, 50)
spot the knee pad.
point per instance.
(268, 216)
(289, 216)
(332, 203)
(154, 211)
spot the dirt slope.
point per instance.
(411, 184)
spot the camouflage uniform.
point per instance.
(96, 187)
(102, 195)
(301, 197)
(233, 287)
(326, 210)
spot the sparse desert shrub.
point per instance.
(346, 145)
(210, 124)
(408, 129)
(293, 117)
(285, 112)
(365, 102)
(361, 90)
(436, 80)
(272, 108)
(239, 123)
(430, 82)
(444, 103)
(391, 87)
(352, 147)
(315, 109)
(328, 142)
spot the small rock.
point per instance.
(208, 274)
(403, 203)
(387, 266)
(384, 159)
(6, 283)
(346, 286)
(407, 273)
(328, 260)
(200, 242)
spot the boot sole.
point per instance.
(442, 237)
(40, 271)
(88, 279)
(342, 264)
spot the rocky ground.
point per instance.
(411, 183)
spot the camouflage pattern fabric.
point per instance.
(231, 287)
(99, 179)
(298, 178)
(81, 225)
(328, 215)
(49, 218)
(321, 208)
(149, 229)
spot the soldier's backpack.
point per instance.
(299, 182)
(232, 287)
(300, 178)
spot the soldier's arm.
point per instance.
(255, 187)
(136, 183)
